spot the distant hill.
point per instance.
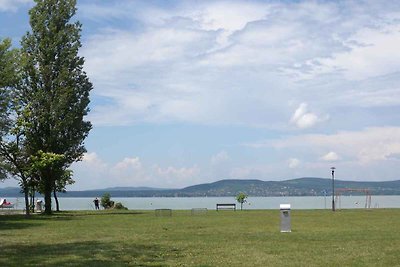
(140, 188)
(308, 186)
(10, 192)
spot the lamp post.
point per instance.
(333, 188)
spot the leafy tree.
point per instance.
(241, 198)
(42, 161)
(106, 202)
(54, 92)
(16, 162)
(8, 78)
(14, 159)
(4, 99)
(64, 180)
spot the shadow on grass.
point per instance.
(17, 222)
(102, 213)
(90, 253)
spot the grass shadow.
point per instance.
(17, 222)
(21, 221)
(94, 213)
(90, 253)
(115, 213)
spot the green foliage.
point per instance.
(3, 173)
(119, 206)
(54, 94)
(44, 97)
(106, 202)
(44, 160)
(241, 198)
(8, 79)
(64, 180)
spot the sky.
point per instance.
(189, 92)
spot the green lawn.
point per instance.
(225, 238)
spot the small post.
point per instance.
(333, 188)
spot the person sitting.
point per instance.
(5, 204)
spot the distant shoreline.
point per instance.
(229, 188)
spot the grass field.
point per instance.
(225, 238)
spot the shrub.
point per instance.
(119, 206)
(106, 202)
(241, 198)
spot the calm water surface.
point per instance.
(180, 203)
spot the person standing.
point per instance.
(96, 203)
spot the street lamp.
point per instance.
(333, 188)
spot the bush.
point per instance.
(119, 206)
(106, 202)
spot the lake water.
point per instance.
(180, 203)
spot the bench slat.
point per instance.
(226, 206)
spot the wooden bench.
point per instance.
(226, 207)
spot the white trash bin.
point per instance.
(285, 218)
(39, 206)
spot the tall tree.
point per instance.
(7, 80)
(14, 161)
(54, 92)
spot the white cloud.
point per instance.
(330, 156)
(92, 159)
(176, 173)
(304, 119)
(176, 177)
(129, 163)
(93, 172)
(371, 52)
(194, 63)
(364, 146)
(235, 15)
(293, 163)
(219, 158)
(13, 5)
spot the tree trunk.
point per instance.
(31, 191)
(26, 196)
(56, 199)
(25, 189)
(48, 189)
(241, 206)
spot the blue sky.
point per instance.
(188, 92)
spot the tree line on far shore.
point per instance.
(44, 98)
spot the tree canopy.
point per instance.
(8, 79)
(49, 96)
(241, 198)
